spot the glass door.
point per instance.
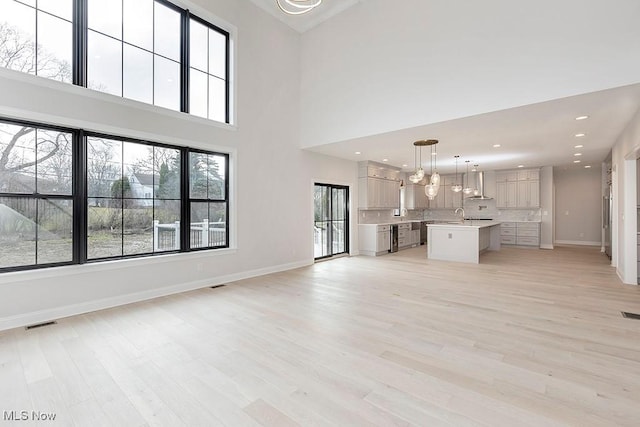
(331, 220)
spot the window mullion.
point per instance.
(80, 42)
(184, 58)
(80, 201)
(185, 214)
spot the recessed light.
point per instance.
(496, 145)
(358, 153)
(520, 166)
(385, 160)
(579, 135)
(434, 154)
(576, 161)
(578, 146)
(582, 117)
(587, 167)
(404, 166)
(578, 154)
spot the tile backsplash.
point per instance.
(472, 209)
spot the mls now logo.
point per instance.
(28, 416)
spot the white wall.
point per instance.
(547, 207)
(624, 234)
(578, 206)
(434, 60)
(271, 195)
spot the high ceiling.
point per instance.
(542, 134)
(302, 23)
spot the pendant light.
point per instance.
(435, 176)
(476, 191)
(417, 177)
(431, 189)
(297, 7)
(456, 188)
(467, 190)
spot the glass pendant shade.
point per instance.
(420, 173)
(467, 190)
(414, 178)
(455, 187)
(431, 191)
(435, 179)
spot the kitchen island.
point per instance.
(462, 241)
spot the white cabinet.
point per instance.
(528, 234)
(404, 235)
(374, 239)
(506, 194)
(520, 233)
(378, 193)
(378, 186)
(528, 194)
(518, 189)
(447, 199)
(383, 240)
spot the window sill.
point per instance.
(117, 264)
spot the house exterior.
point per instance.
(347, 79)
(143, 187)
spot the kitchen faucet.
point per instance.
(459, 210)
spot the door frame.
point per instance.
(347, 219)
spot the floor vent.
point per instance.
(40, 325)
(630, 315)
(217, 286)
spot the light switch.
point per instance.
(450, 235)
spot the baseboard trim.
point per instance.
(577, 242)
(56, 313)
(546, 246)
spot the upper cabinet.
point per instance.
(378, 186)
(518, 189)
(446, 198)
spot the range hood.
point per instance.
(480, 187)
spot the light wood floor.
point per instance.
(529, 337)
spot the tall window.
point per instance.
(133, 198)
(134, 50)
(36, 37)
(36, 202)
(67, 198)
(208, 200)
(208, 71)
(147, 50)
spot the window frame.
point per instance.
(80, 199)
(80, 48)
(73, 197)
(190, 200)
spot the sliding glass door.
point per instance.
(331, 220)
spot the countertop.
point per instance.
(466, 224)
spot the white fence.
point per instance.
(203, 234)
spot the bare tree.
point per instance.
(19, 52)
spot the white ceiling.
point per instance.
(302, 23)
(534, 135)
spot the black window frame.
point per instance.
(80, 199)
(79, 49)
(190, 200)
